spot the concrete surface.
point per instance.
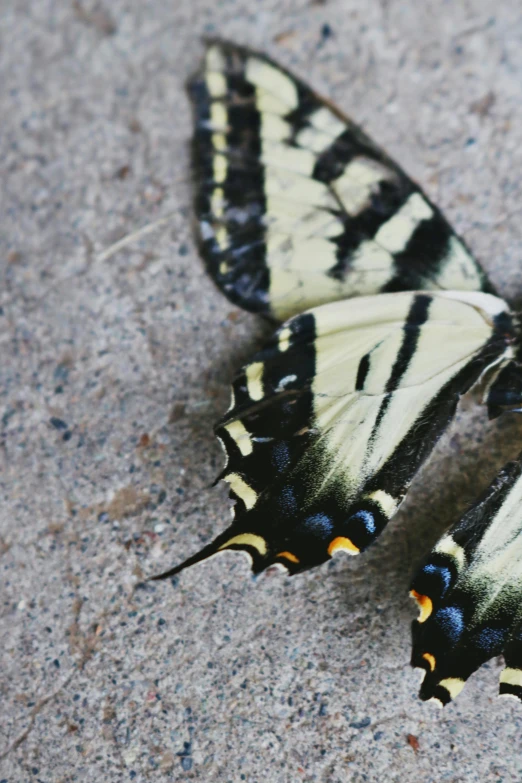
(115, 365)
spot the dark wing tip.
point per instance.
(232, 540)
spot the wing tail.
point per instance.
(261, 553)
(204, 554)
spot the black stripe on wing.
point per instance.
(396, 475)
(417, 316)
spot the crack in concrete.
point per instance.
(82, 643)
(35, 712)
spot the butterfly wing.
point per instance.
(296, 206)
(331, 420)
(469, 590)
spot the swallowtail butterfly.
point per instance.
(387, 320)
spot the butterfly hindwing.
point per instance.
(470, 593)
(296, 206)
(331, 420)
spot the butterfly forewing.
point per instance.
(296, 206)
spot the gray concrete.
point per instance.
(220, 678)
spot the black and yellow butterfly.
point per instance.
(392, 320)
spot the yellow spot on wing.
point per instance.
(247, 539)
(272, 80)
(431, 660)
(218, 115)
(395, 234)
(216, 84)
(326, 120)
(274, 127)
(288, 556)
(453, 685)
(219, 142)
(357, 181)
(285, 157)
(238, 432)
(425, 604)
(222, 237)
(458, 271)
(269, 104)
(340, 543)
(284, 339)
(215, 59)
(386, 502)
(220, 166)
(242, 489)
(217, 202)
(447, 546)
(311, 254)
(511, 676)
(313, 139)
(254, 379)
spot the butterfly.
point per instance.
(386, 320)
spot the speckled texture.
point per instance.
(113, 370)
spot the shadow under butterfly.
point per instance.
(387, 320)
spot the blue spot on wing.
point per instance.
(319, 525)
(287, 501)
(451, 622)
(444, 573)
(367, 518)
(490, 639)
(280, 456)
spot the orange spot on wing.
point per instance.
(425, 604)
(431, 660)
(288, 556)
(340, 543)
